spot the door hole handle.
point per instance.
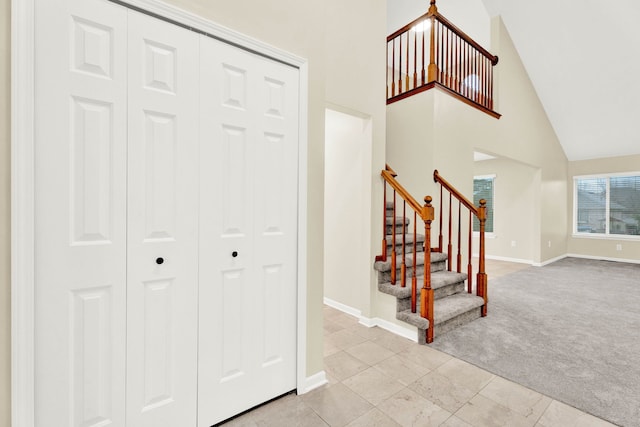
(234, 254)
(159, 260)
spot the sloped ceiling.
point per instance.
(583, 58)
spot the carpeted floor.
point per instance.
(570, 330)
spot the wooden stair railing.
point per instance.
(480, 212)
(426, 214)
(430, 51)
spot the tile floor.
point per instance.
(378, 379)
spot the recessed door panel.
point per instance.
(80, 205)
(162, 261)
(249, 129)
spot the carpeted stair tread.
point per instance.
(408, 238)
(439, 279)
(384, 266)
(435, 257)
(413, 318)
(389, 220)
(455, 305)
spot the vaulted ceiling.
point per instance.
(583, 59)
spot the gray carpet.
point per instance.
(570, 330)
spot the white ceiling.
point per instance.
(583, 59)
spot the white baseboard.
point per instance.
(370, 322)
(549, 261)
(314, 381)
(509, 259)
(604, 258)
(343, 307)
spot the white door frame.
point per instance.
(23, 190)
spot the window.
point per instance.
(607, 205)
(483, 188)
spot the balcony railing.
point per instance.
(430, 51)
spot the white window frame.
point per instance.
(488, 234)
(607, 234)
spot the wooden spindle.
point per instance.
(400, 64)
(383, 255)
(414, 276)
(449, 246)
(440, 220)
(459, 257)
(415, 60)
(469, 265)
(407, 70)
(403, 267)
(393, 68)
(423, 58)
(393, 241)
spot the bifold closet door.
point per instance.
(162, 261)
(80, 220)
(248, 230)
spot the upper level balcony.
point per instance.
(432, 52)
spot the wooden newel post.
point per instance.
(432, 69)
(426, 293)
(481, 281)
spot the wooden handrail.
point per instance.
(494, 59)
(437, 178)
(390, 178)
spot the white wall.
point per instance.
(347, 210)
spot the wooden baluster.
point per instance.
(400, 64)
(459, 258)
(383, 256)
(481, 281)
(403, 267)
(423, 58)
(415, 60)
(393, 68)
(449, 246)
(469, 266)
(407, 75)
(393, 241)
(426, 294)
(414, 276)
(449, 58)
(441, 49)
(459, 64)
(440, 220)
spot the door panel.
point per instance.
(248, 211)
(80, 223)
(162, 264)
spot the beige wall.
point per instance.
(514, 204)
(594, 247)
(5, 196)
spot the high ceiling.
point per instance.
(583, 59)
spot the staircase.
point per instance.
(443, 300)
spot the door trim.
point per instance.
(23, 189)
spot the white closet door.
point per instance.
(162, 264)
(248, 197)
(80, 202)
